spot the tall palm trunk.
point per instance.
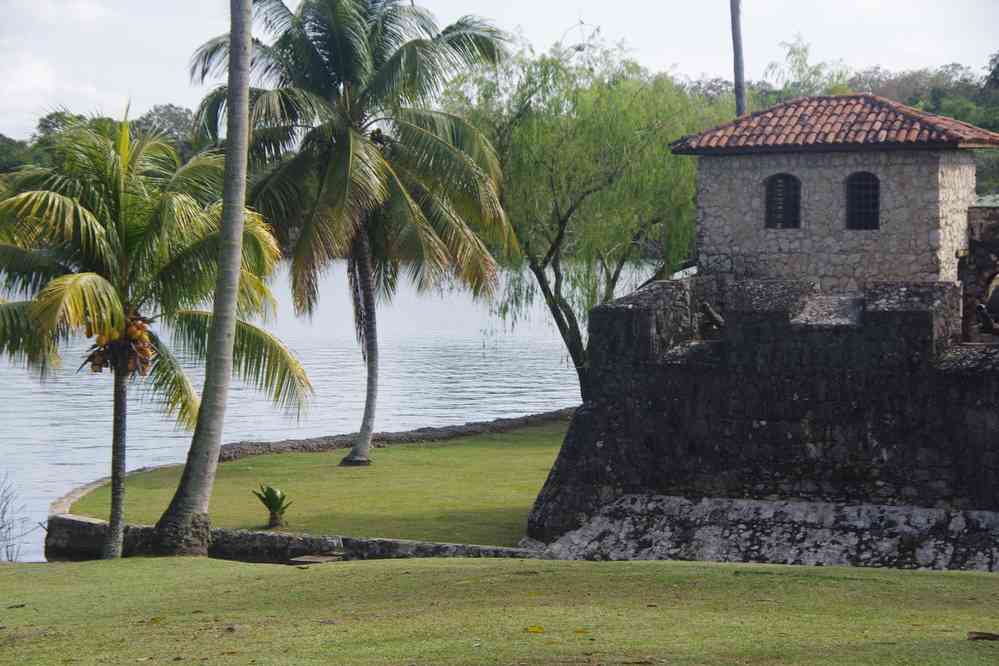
(360, 453)
(115, 537)
(185, 528)
(740, 76)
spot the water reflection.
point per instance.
(444, 360)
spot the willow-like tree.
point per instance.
(589, 185)
(353, 163)
(118, 241)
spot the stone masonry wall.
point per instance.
(978, 267)
(957, 195)
(863, 399)
(924, 197)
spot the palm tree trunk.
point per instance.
(740, 76)
(184, 529)
(115, 538)
(360, 453)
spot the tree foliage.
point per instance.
(13, 153)
(589, 185)
(117, 240)
(352, 162)
(174, 123)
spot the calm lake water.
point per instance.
(444, 360)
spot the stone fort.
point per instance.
(825, 389)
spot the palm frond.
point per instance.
(354, 182)
(339, 30)
(473, 41)
(434, 259)
(200, 177)
(279, 191)
(259, 358)
(170, 386)
(57, 218)
(419, 68)
(274, 15)
(25, 271)
(186, 278)
(76, 301)
(22, 342)
(392, 23)
(357, 302)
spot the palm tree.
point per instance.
(184, 527)
(119, 241)
(352, 163)
(740, 76)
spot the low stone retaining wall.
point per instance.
(659, 527)
(238, 450)
(72, 537)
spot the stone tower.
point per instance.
(847, 190)
(809, 396)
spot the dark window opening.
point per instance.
(863, 201)
(783, 202)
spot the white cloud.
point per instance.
(61, 10)
(31, 87)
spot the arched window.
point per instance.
(863, 201)
(783, 202)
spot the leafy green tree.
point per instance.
(589, 185)
(175, 123)
(352, 162)
(185, 527)
(13, 153)
(55, 122)
(797, 76)
(119, 240)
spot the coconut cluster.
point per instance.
(133, 341)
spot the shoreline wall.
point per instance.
(72, 537)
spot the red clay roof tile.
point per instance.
(847, 121)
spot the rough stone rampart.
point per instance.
(866, 398)
(655, 527)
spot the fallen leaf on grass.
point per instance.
(582, 631)
(535, 629)
(982, 636)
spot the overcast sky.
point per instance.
(95, 55)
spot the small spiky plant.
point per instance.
(276, 502)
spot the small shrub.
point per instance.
(276, 502)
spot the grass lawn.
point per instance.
(475, 490)
(490, 612)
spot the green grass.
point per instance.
(479, 612)
(475, 490)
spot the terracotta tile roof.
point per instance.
(841, 122)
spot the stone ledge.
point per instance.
(661, 527)
(237, 450)
(71, 537)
